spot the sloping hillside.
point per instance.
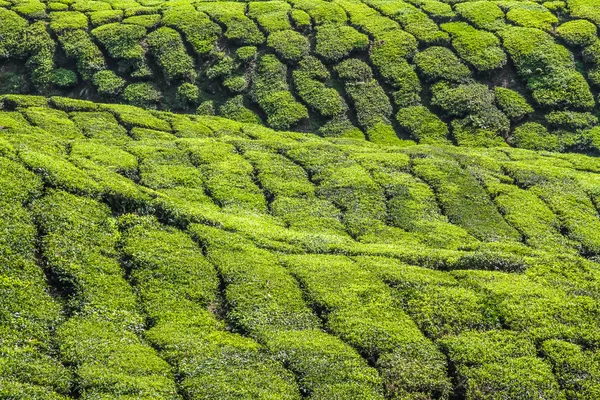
(149, 255)
(470, 73)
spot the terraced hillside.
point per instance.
(477, 73)
(149, 255)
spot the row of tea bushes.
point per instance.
(249, 62)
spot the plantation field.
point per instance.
(482, 73)
(151, 255)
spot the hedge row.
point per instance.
(267, 303)
(177, 288)
(100, 338)
(511, 232)
(30, 368)
(202, 57)
(360, 309)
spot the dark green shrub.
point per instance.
(167, 48)
(423, 125)
(441, 63)
(234, 109)
(206, 108)
(534, 136)
(337, 42)
(386, 55)
(246, 53)
(578, 32)
(142, 94)
(271, 92)
(531, 16)
(121, 41)
(512, 103)
(78, 44)
(307, 81)
(239, 28)
(479, 48)
(370, 101)
(354, 69)
(188, 93)
(571, 120)
(42, 48)
(288, 45)
(236, 83)
(13, 33)
(64, 78)
(108, 83)
(199, 31)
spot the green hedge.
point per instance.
(334, 42)
(270, 90)
(167, 48)
(479, 48)
(500, 363)
(239, 28)
(441, 63)
(422, 124)
(289, 45)
(470, 207)
(512, 103)
(483, 14)
(578, 32)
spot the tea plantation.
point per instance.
(151, 255)
(301, 199)
(475, 73)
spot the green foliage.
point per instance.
(577, 32)
(512, 103)
(167, 47)
(108, 83)
(234, 109)
(121, 41)
(142, 94)
(480, 49)
(500, 363)
(98, 18)
(78, 44)
(272, 16)
(571, 120)
(307, 81)
(41, 61)
(469, 207)
(60, 22)
(441, 63)
(271, 92)
(354, 69)
(188, 93)
(13, 32)
(246, 53)
(301, 19)
(64, 77)
(423, 125)
(534, 136)
(239, 28)
(199, 31)
(531, 15)
(288, 45)
(338, 42)
(483, 14)
(577, 370)
(548, 67)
